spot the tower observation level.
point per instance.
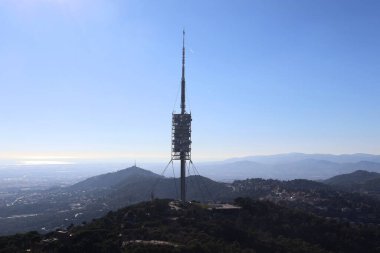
(181, 130)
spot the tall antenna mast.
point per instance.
(183, 83)
(181, 130)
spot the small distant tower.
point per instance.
(181, 130)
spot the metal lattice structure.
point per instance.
(181, 136)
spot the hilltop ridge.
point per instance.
(259, 226)
(111, 179)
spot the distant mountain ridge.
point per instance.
(359, 181)
(356, 177)
(294, 157)
(290, 166)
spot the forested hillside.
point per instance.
(259, 226)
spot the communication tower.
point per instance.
(181, 130)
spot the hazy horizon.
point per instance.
(57, 160)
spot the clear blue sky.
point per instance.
(98, 79)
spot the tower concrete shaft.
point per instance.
(183, 111)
